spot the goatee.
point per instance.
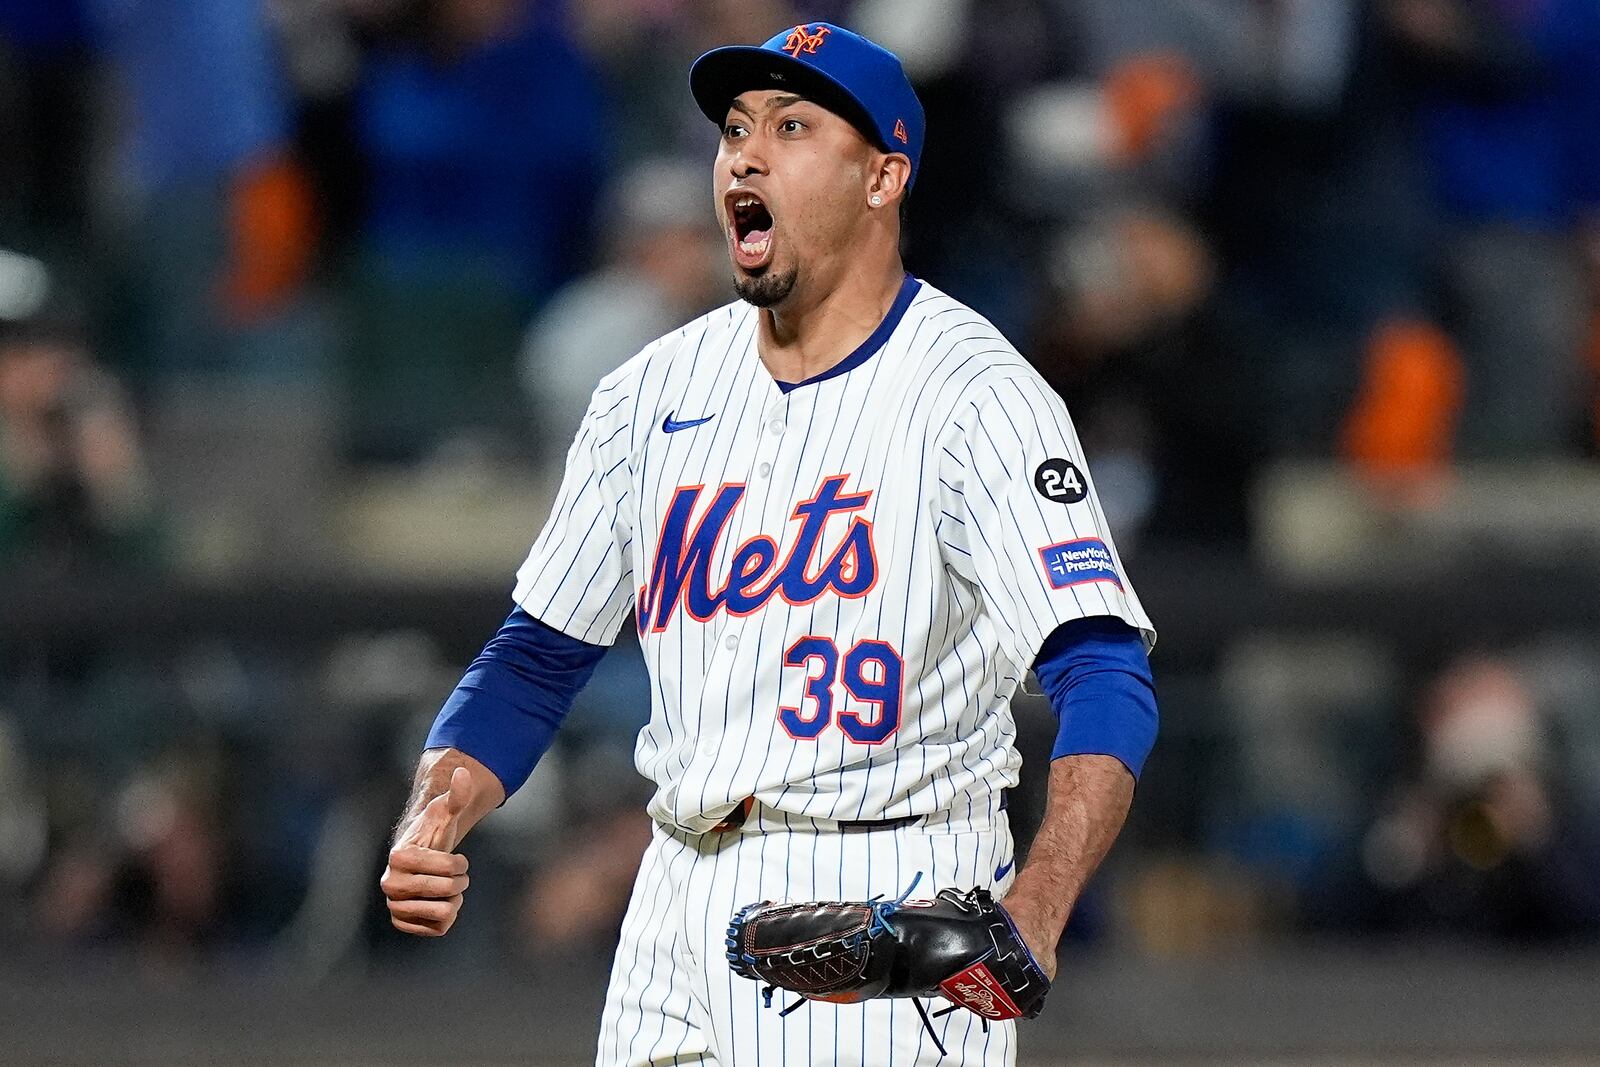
(765, 290)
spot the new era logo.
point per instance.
(900, 132)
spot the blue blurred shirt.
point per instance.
(495, 157)
(1529, 153)
(204, 85)
(43, 25)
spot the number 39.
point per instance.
(872, 675)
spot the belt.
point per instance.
(736, 818)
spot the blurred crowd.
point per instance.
(261, 261)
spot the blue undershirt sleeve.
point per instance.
(1097, 675)
(509, 704)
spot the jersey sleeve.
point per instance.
(578, 578)
(1019, 519)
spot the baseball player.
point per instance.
(846, 517)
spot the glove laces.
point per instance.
(882, 912)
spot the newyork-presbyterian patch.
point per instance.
(1077, 562)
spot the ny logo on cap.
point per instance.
(801, 40)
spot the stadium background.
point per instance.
(301, 299)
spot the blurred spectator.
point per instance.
(578, 852)
(1510, 98)
(47, 124)
(484, 129)
(976, 231)
(1482, 838)
(1308, 733)
(222, 225)
(73, 485)
(580, 901)
(1400, 432)
(643, 49)
(152, 873)
(1125, 339)
(1317, 211)
(23, 825)
(665, 265)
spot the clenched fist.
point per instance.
(426, 877)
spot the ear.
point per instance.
(890, 178)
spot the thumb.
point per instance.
(435, 825)
(461, 791)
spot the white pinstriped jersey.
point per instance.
(838, 585)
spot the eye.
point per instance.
(733, 131)
(791, 126)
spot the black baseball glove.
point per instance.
(962, 946)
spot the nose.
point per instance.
(747, 158)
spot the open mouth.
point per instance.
(750, 224)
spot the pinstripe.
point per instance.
(1016, 598)
(1058, 414)
(671, 722)
(710, 778)
(673, 986)
(904, 419)
(1022, 451)
(614, 406)
(734, 1049)
(638, 921)
(1019, 529)
(811, 420)
(811, 610)
(676, 706)
(915, 416)
(1028, 401)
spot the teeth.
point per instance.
(746, 201)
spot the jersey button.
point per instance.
(776, 426)
(765, 469)
(732, 641)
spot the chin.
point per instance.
(767, 289)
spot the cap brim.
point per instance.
(718, 77)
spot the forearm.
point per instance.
(433, 778)
(506, 710)
(1088, 801)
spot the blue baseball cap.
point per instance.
(843, 71)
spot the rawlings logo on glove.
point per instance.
(961, 946)
(978, 989)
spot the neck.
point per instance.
(807, 335)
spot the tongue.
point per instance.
(751, 250)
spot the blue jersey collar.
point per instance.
(868, 348)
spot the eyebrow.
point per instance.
(778, 101)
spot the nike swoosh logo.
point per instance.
(1004, 869)
(669, 425)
